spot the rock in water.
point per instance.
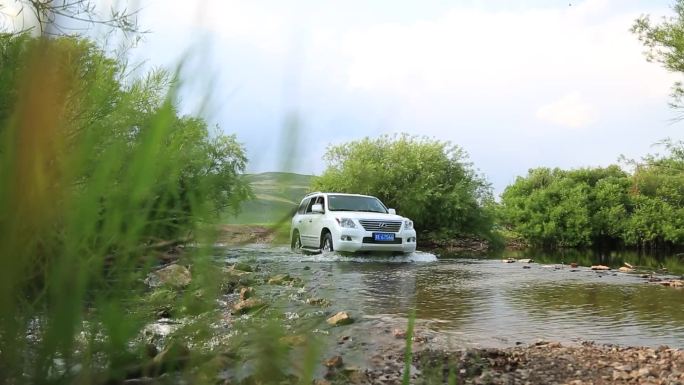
(173, 357)
(246, 292)
(333, 362)
(625, 269)
(175, 276)
(600, 267)
(247, 305)
(241, 266)
(280, 279)
(294, 340)
(341, 318)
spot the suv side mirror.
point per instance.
(392, 211)
(317, 208)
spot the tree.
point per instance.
(428, 180)
(665, 44)
(63, 17)
(602, 207)
(559, 208)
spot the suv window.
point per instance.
(302, 206)
(321, 201)
(355, 203)
(312, 201)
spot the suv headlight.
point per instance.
(408, 224)
(346, 222)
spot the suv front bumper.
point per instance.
(353, 240)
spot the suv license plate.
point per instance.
(383, 237)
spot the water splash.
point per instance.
(284, 254)
(418, 256)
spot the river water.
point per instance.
(483, 302)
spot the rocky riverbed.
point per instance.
(540, 363)
(283, 322)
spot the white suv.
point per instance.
(350, 222)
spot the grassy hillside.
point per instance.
(277, 196)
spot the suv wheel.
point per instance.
(296, 243)
(326, 242)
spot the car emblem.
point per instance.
(383, 225)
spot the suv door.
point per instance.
(316, 222)
(305, 227)
(298, 219)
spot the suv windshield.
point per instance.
(355, 203)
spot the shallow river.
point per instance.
(484, 302)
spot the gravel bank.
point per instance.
(540, 363)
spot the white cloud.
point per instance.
(569, 111)
(471, 48)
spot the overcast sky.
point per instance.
(518, 84)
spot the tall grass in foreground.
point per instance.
(98, 176)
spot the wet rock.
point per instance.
(164, 313)
(247, 305)
(151, 350)
(625, 269)
(343, 339)
(355, 375)
(233, 279)
(334, 362)
(341, 318)
(241, 266)
(246, 293)
(175, 356)
(174, 276)
(280, 279)
(307, 267)
(294, 340)
(527, 267)
(399, 333)
(600, 267)
(508, 260)
(526, 260)
(573, 265)
(323, 302)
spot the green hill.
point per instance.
(277, 196)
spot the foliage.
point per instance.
(601, 206)
(427, 180)
(67, 17)
(665, 44)
(95, 170)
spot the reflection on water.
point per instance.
(487, 302)
(674, 263)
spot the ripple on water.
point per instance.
(284, 254)
(486, 301)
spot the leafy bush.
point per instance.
(428, 180)
(95, 169)
(601, 206)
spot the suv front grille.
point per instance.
(377, 225)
